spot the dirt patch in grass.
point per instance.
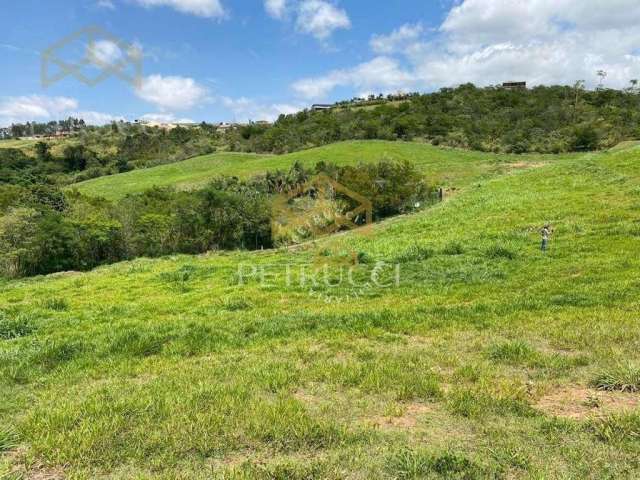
(233, 460)
(33, 471)
(579, 402)
(409, 415)
(519, 165)
(306, 397)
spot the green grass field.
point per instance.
(26, 145)
(487, 359)
(451, 167)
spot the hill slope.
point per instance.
(441, 165)
(478, 364)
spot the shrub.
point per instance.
(364, 258)
(584, 138)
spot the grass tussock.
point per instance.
(500, 252)
(617, 428)
(8, 439)
(15, 326)
(623, 378)
(56, 304)
(415, 253)
(453, 248)
(514, 352)
(409, 464)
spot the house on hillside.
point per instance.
(224, 127)
(514, 85)
(153, 124)
(319, 107)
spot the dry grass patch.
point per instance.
(407, 416)
(577, 402)
(20, 467)
(522, 165)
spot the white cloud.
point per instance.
(396, 40)
(43, 109)
(541, 41)
(491, 21)
(164, 118)
(245, 109)
(104, 53)
(107, 53)
(34, 107)
(382, 74)
(96, 118)
(490, 41)
(321, 18)
(276, 8)
(172, 93)
(201, 8)
(106, 4)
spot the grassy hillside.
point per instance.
(26, 145)
(483, 362)
(447, 166)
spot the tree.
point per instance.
(17, 247)
(42, 152)
(602, 74)
(578, 88)
(76, 157)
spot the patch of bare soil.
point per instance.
(409, 418)
(528, 164)
(35, 471)
(578, 402)
(306, 397)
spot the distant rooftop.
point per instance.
(514, 85)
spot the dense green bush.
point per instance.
(43, 230)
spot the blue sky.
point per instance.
(220, 60)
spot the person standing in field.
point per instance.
(546, 233)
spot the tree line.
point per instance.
(543, 119)
(552, 119)
(97, 151)
(45, 230)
